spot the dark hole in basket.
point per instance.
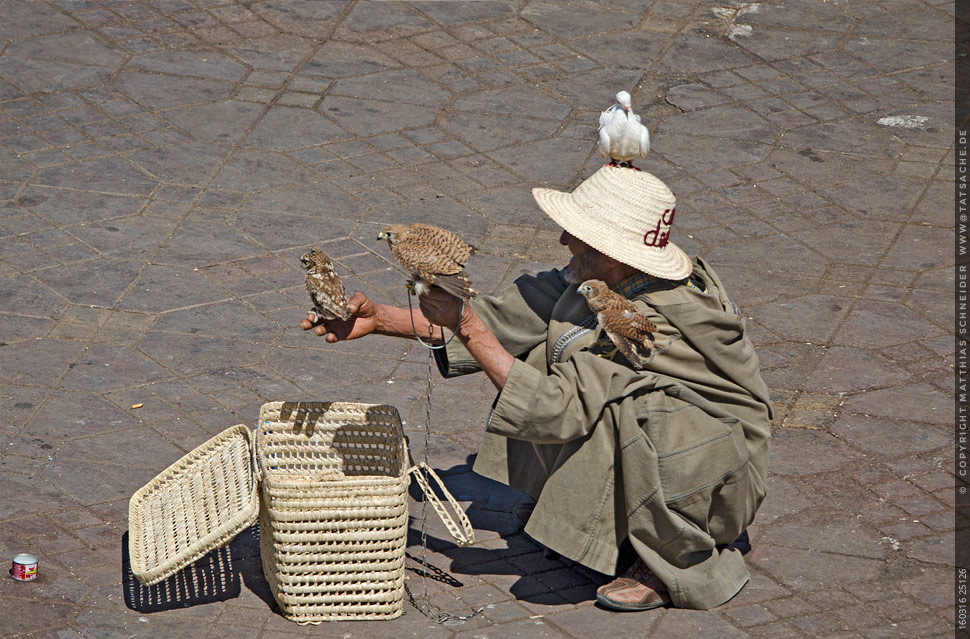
(215, 577)
(374, 448)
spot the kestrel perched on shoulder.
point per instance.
(326, 290)
(433, 257)
(629, 329)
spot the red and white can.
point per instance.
(24, 567)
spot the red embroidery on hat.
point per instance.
(625, 165)
(654, 237)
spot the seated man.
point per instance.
(671, 458)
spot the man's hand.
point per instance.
(443, 309)
(440, 308)
(363, 321)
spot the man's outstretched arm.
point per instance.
(437, 309)
(367, 318)
(442, 309)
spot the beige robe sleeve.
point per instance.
(518, 317)
(565, 404)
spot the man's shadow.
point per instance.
(491, 510)
(538, 573)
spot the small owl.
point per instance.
(433, 257)
(629, 329)
(326, 290)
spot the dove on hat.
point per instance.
(622, 136)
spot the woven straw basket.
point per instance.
(332, 508)
(196, 505)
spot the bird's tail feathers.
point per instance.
(628, 349)
(458, 285)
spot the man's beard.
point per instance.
(581, 268)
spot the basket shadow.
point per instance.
(489, 504)
(215, 577)
(310, 440)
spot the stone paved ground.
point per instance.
(163, 163)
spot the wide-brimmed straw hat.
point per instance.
(623, 213)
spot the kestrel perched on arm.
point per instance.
(629, 329)
(433, 257)
(326, 290)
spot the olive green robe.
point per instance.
(673, 457)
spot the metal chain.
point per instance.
(414, 330)
(425, 607)
(433, 572)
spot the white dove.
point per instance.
(622, 136)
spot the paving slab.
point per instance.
(164, 163)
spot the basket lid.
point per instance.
(198, 504)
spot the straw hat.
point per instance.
(625, 214)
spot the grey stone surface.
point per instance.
(164, 163)
(100, 282)
(108, 175)
(176, 91)
(78, 47)
(284, 128)
(489, 132)
(193, 63)
(24, 19)
(183, 164)
(224, 121)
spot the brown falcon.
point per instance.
(629, 329)
(433, 257)
(326, 290)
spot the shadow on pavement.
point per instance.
(219, 575)
(215, 577)
(490, 510)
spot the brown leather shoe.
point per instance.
(636, 589)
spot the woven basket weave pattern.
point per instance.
(209, 494)
(334, 515)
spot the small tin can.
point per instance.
(24, 567)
